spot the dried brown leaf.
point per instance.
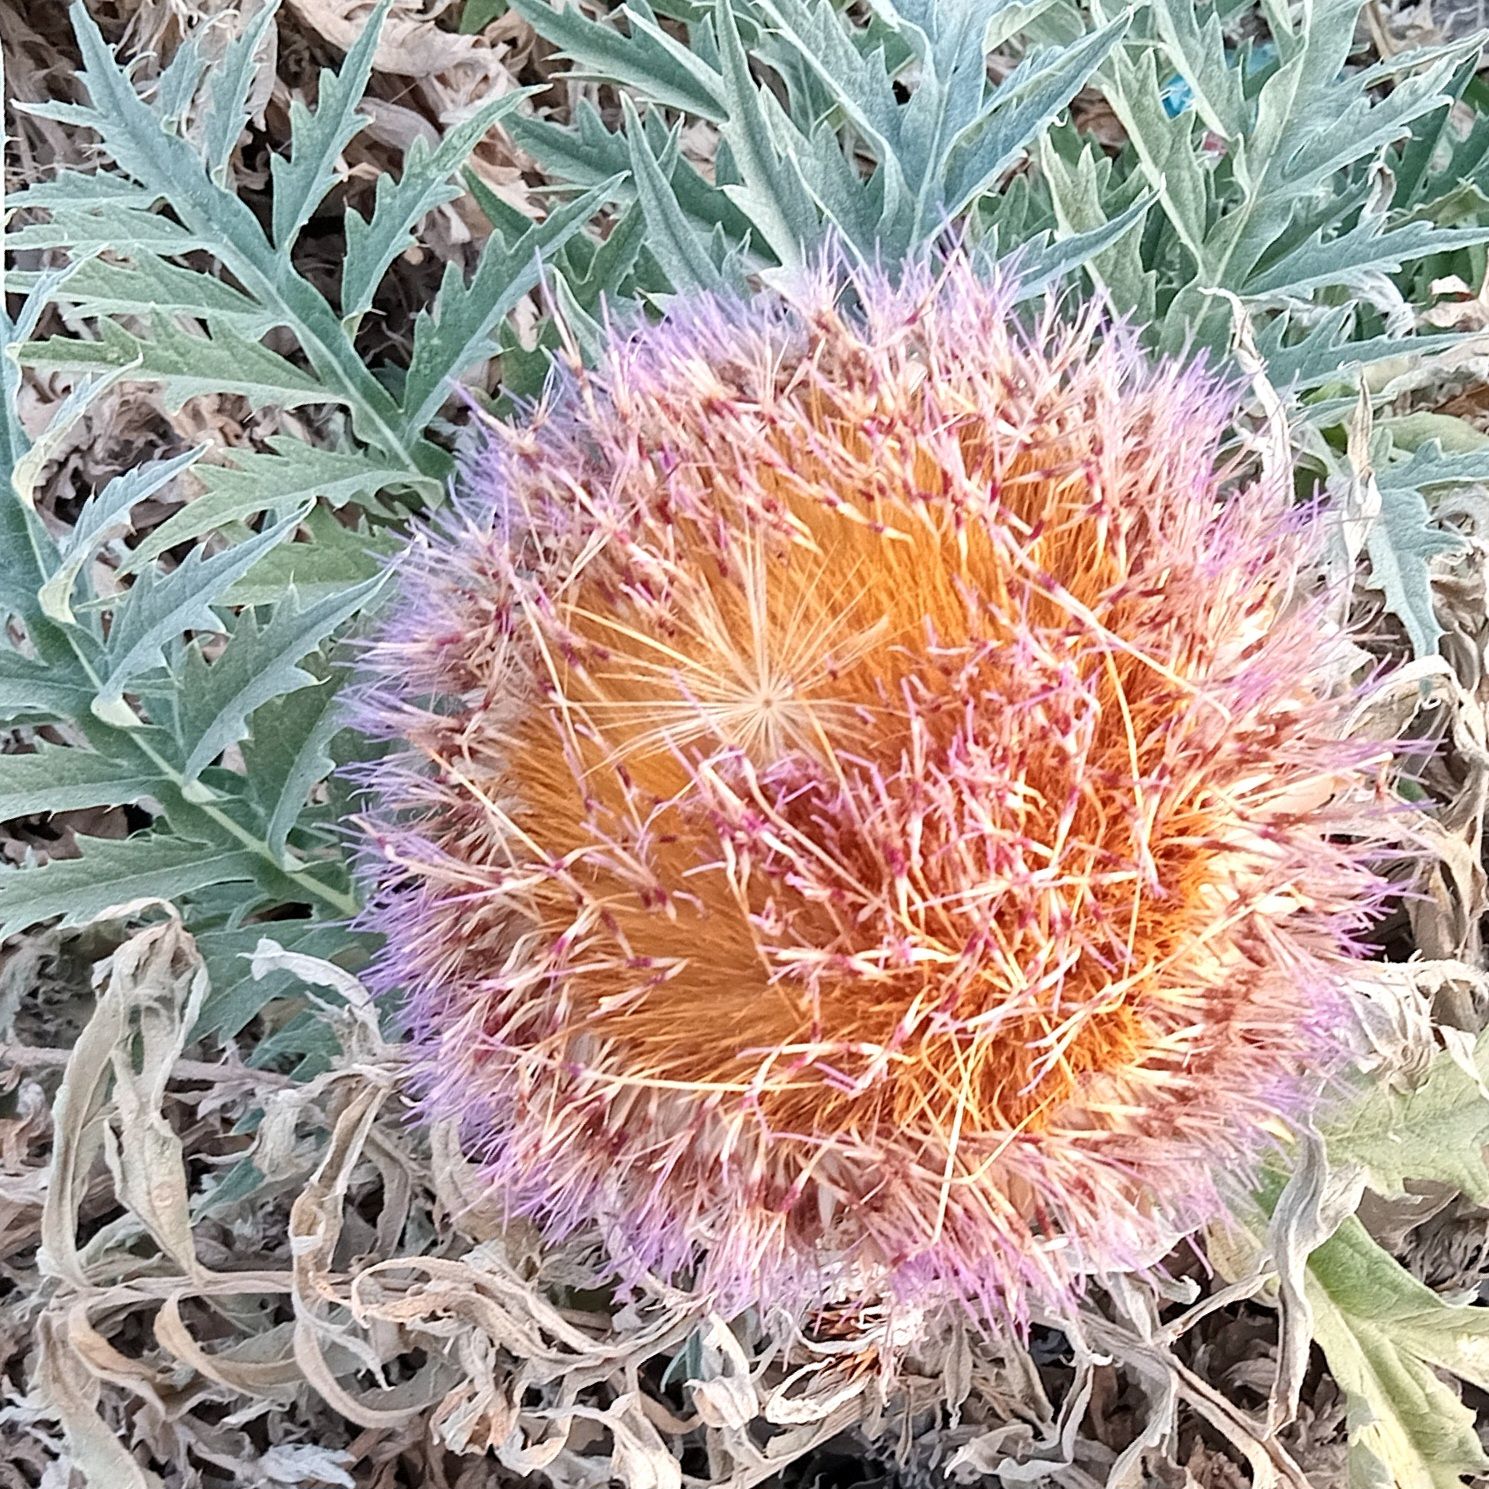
(72, 1393)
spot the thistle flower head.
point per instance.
(868, 801)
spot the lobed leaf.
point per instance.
(641, 60)
(184, 365)
(231, 80)
(1023, 105)
(1437, 1130)
(116, 229)
(289, 751)
(328, 559)
(149, 286)
(283, 478)
(457, 330)
(114, 872)
(590, 155)
(31, 691)
(56, 778)
(317, 139)
(1386, 1336)
(371, 245)
(237, 996)
(105, 515)
(254, 667)
(1401, 544)
(771, 193)
(158, 608)
(685, 257)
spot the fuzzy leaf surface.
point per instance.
(253, 668)
(1438, 1130)
(114, 872)
(1385, 1336)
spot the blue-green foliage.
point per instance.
(1282, 183)
(194, 675)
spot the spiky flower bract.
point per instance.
(869, 800)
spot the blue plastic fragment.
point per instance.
(1176, 94)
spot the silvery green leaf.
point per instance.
(639, 60)
(158, 607)
(696, 59)
(850, 205)
(1195, 41)
(1344, 257)
(114, 872)
(577, 323)
(1166, 149)
(771, 193)
(178, 83)
(167, 166)
(1105, 250)
(32, 691)
(1365, 122)
(284, 477)
(588, 154)
(228, 88)
(861, 85)
(457, 330)
(56, 778)
(317, 139)
(1386, 1338)
(289, 749)
(236, 995)
(1021, 107)
(81, 190)
(122, 229)
(612, 260)
(1325, 350)
(186, 365)
(1438, 1129)
(398, 207)
(28, 467)
(1402, 543)
(148, 285)
(329, 559)
(105, 515)
(1429, 466)
(683, 255)
(255, 666)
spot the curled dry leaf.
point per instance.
(723, 1393)
(1458, 307)
(1426, 700)
(72, 1394)
(470, 1339)
(153, 984)
(412, 45)
(510, 1365)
